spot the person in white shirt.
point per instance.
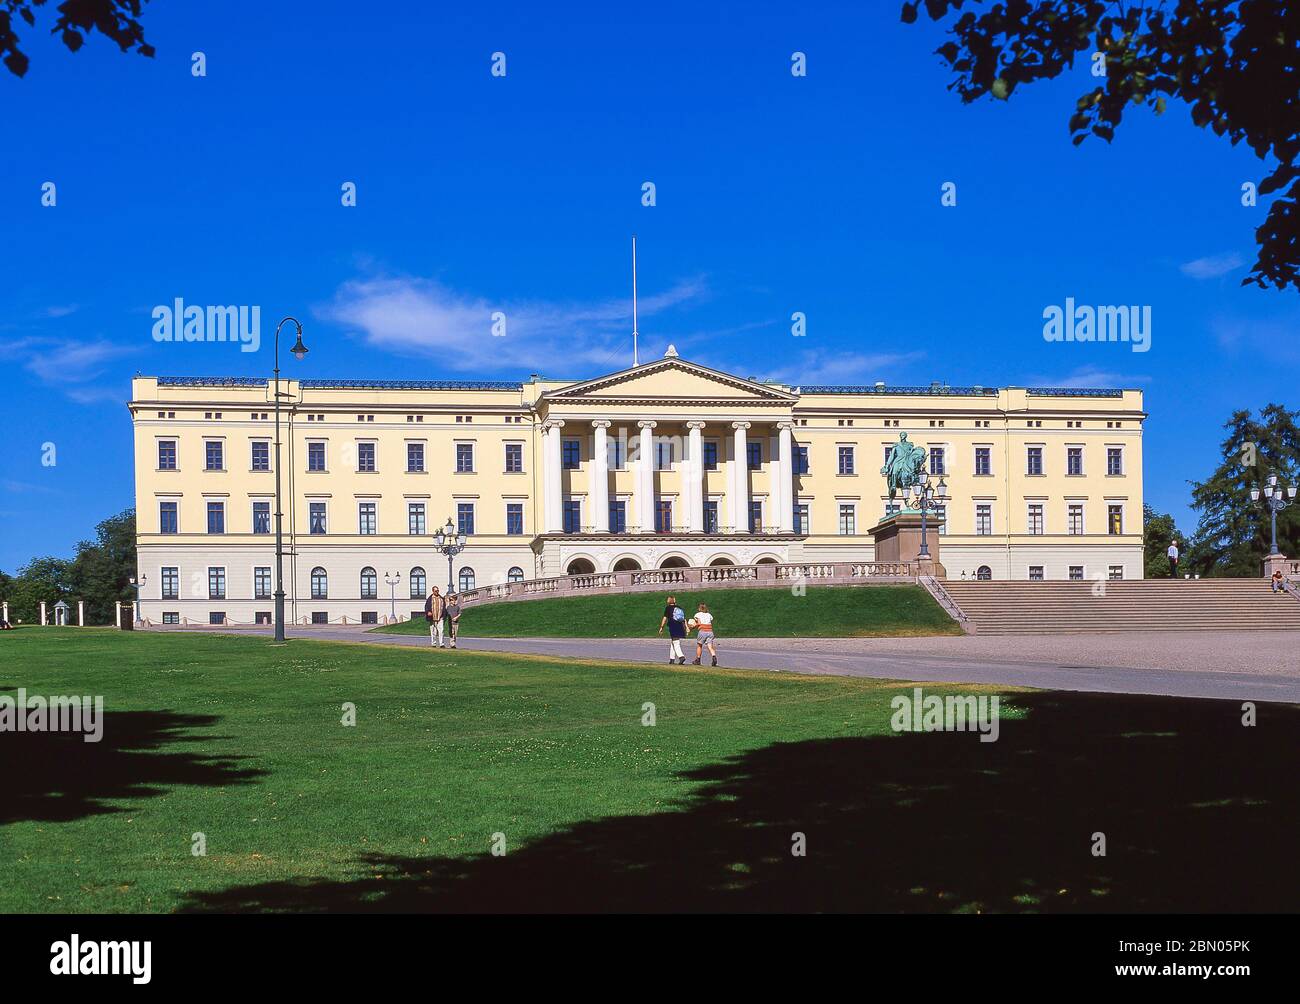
(704, 621)
(1173, 559)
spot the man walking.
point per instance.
(434, 609)
(1173, 559)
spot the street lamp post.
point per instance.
(392, 578)
(1276, 498)
(137, 585)
(299, 350)
(450, 543)
(927, 498)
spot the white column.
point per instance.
(81, 613)
(553, 507)
(599, 490)
(645, 480)
(784, 475)
(694, 482)
(6, 610)
(739, 501)
(42, 613)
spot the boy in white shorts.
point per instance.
(704, 621)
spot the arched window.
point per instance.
(580, 566)
(466, 578)
(320, 584)
(984, 573)
(515, 574)
(369, 583)
(418, 583)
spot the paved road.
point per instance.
(1260, 665)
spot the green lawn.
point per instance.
(241, 741)
(824, 611)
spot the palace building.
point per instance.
(665, 464)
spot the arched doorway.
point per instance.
(717, 562)
(674, 561)
(627, 565)
(766, 561)
(580, 566)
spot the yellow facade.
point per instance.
(523, 461)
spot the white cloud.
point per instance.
(1088, 376)
(73, 366)
(422, 317)
(59, 310)
(817, 366)
(1213, 266)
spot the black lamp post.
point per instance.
(299, 350)
(1276, 498)
(927, 498)
(392, 578)
(450, 543)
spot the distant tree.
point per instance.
(1234, 62)
(40, 579)
(1158, 530)
(1232, 535)
(116, 19)
(101, 572)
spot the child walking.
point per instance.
(675, 617)
(704, 621)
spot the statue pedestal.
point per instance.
(898, 538)
(1276, 563)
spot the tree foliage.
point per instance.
(1233, 533)
(1158, 531)
(118, 20)
(1232, 62)
(99, 575)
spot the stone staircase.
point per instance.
(1135, 605)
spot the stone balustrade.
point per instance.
(651, 580)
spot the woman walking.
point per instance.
(453, 616)
(675, 617)
(704, 621)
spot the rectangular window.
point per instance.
(320, 617)
(366, 457)
(937, 464)
(261, 455)
(1074, 461)
(465, 518)
(216, 517)
(755, 517)
(171, 617)
(1115, 573)
(261, 517)
(1076, 572)
(1036, 518)
(315, 456)
(216, 583)
(1035, 573)
(617, 517)
(941, 519)
(166, 454)
(983, 520)
(754, 452)
(1114, 460)
(214, 455)
(846, 460)
(369, 616)
(167, 517)
(262, 582)
(414, 458)
(570, 454)
(415, 518)
(514, 518)
(848, 520)
(1074, 524)
(464, 458)
(663, 516)
(171, 583)
(316, 517)
(572, 516)
(1034, 460)
(711, 516)
(616, 454)
(366, 518)
(710, 456)
(801, 517)
(217, 617)
(801, 460)
(1114, 519)
(983, 461)
(663, 455)
(514, 458)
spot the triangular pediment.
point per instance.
(670, 379)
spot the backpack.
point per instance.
(679, 614)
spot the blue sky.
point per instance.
(775, 194)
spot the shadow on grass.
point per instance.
(58, 777)
(1199, 813)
